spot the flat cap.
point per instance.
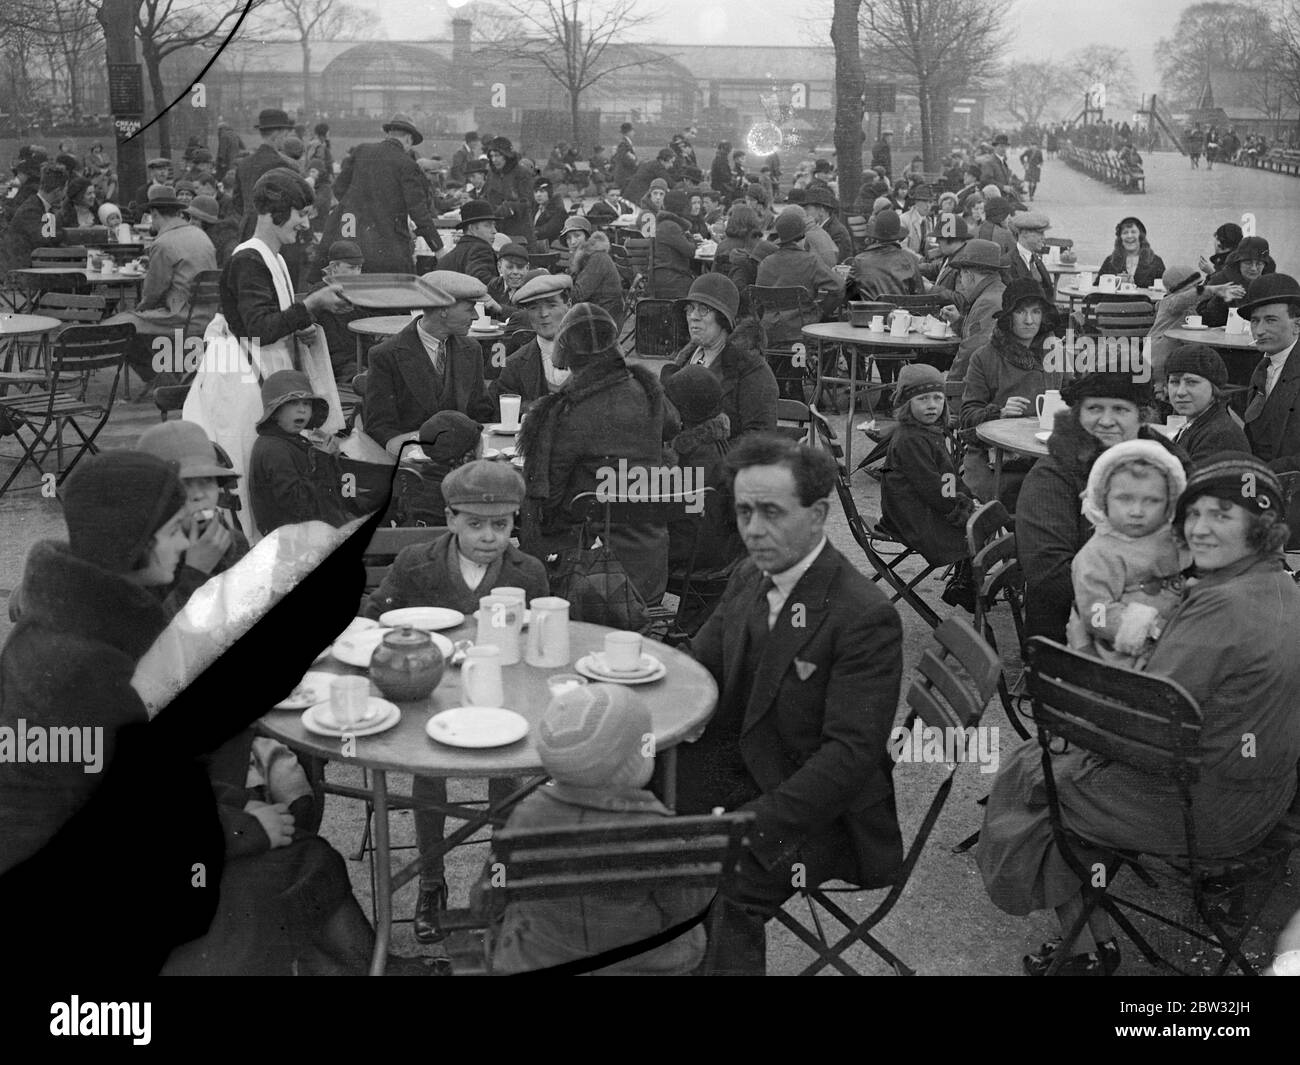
(513, 251)
(1030, 220)
(484, 487)
(456, 285)
(540, 287)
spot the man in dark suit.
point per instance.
(380, 186)
(996, 170)
(624, 165)
(807, 654)
(274, 126)
(1272, 304)
(467, 153)
(1026, 261)
(473, 253)
(34, 224)
(429, 366)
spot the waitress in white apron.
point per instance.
(262, 329)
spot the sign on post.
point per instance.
(880, 97)
(125, 89)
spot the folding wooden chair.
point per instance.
(991, 538)
(949, 692)
(660, 330)
(640, 253)
(608, 859)
(781, 313)
(1086, 315)
(39, 418)
(857, 230)
(868, 535)
(1151, 724)
(792, 410)
(387, 544)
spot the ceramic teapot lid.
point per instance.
(408, 637)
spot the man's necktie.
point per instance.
(1258, 390)
(756, 625)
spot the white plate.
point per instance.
(359, 625)
(647, 665)
(319, 720)
(1043, 435)
(312, 689)
(477, 726)
(355, 649)
(584, 666)
(502, 430)
(429, 618)
(1186, 326)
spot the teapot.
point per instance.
(407, 665)
(1047, 404)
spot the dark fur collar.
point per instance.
(676, 219)
(63, 592)
(716, 430)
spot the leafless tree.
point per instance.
(850, 82)
(1288, 51)
(937, 49)
(165, 27)
(1209, 36)
(1030, 88)
(65, 32)
(317, 20)
(575, 43)
(1105, 64)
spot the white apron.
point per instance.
(226, 397)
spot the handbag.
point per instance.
(596, 585)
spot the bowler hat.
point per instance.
(791, 225)
(885, 227)
(476, 211)
(403, 124)
(978, 255)
(162, 196)
(1270, 288)
(821, 197)
(273, 118)
(346, 251)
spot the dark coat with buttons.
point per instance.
(816, 720)
(402, 391)
(382, 187)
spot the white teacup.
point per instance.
(623, 651)
(1193, 320)
(500, 622)
(350, 701)
(1158, 284)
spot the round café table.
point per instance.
(874, 345)
(1078, 291)
(1019, 436)
(127, 283)
(680, 704)
(1216, 337)
(16, 327)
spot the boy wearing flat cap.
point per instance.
(454, 571)
(431, 365)
(512, 271)
(531, 371)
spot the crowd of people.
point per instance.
(806, 651)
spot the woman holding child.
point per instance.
(1104, 409)
(1242, 666)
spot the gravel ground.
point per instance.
(944, 923)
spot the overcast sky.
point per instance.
(1040, 28)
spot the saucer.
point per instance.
(592, 671)
(502, 430)
(319, 720)
(312, 689)
(1042, 435)
(477, 726)
(1198, 327)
